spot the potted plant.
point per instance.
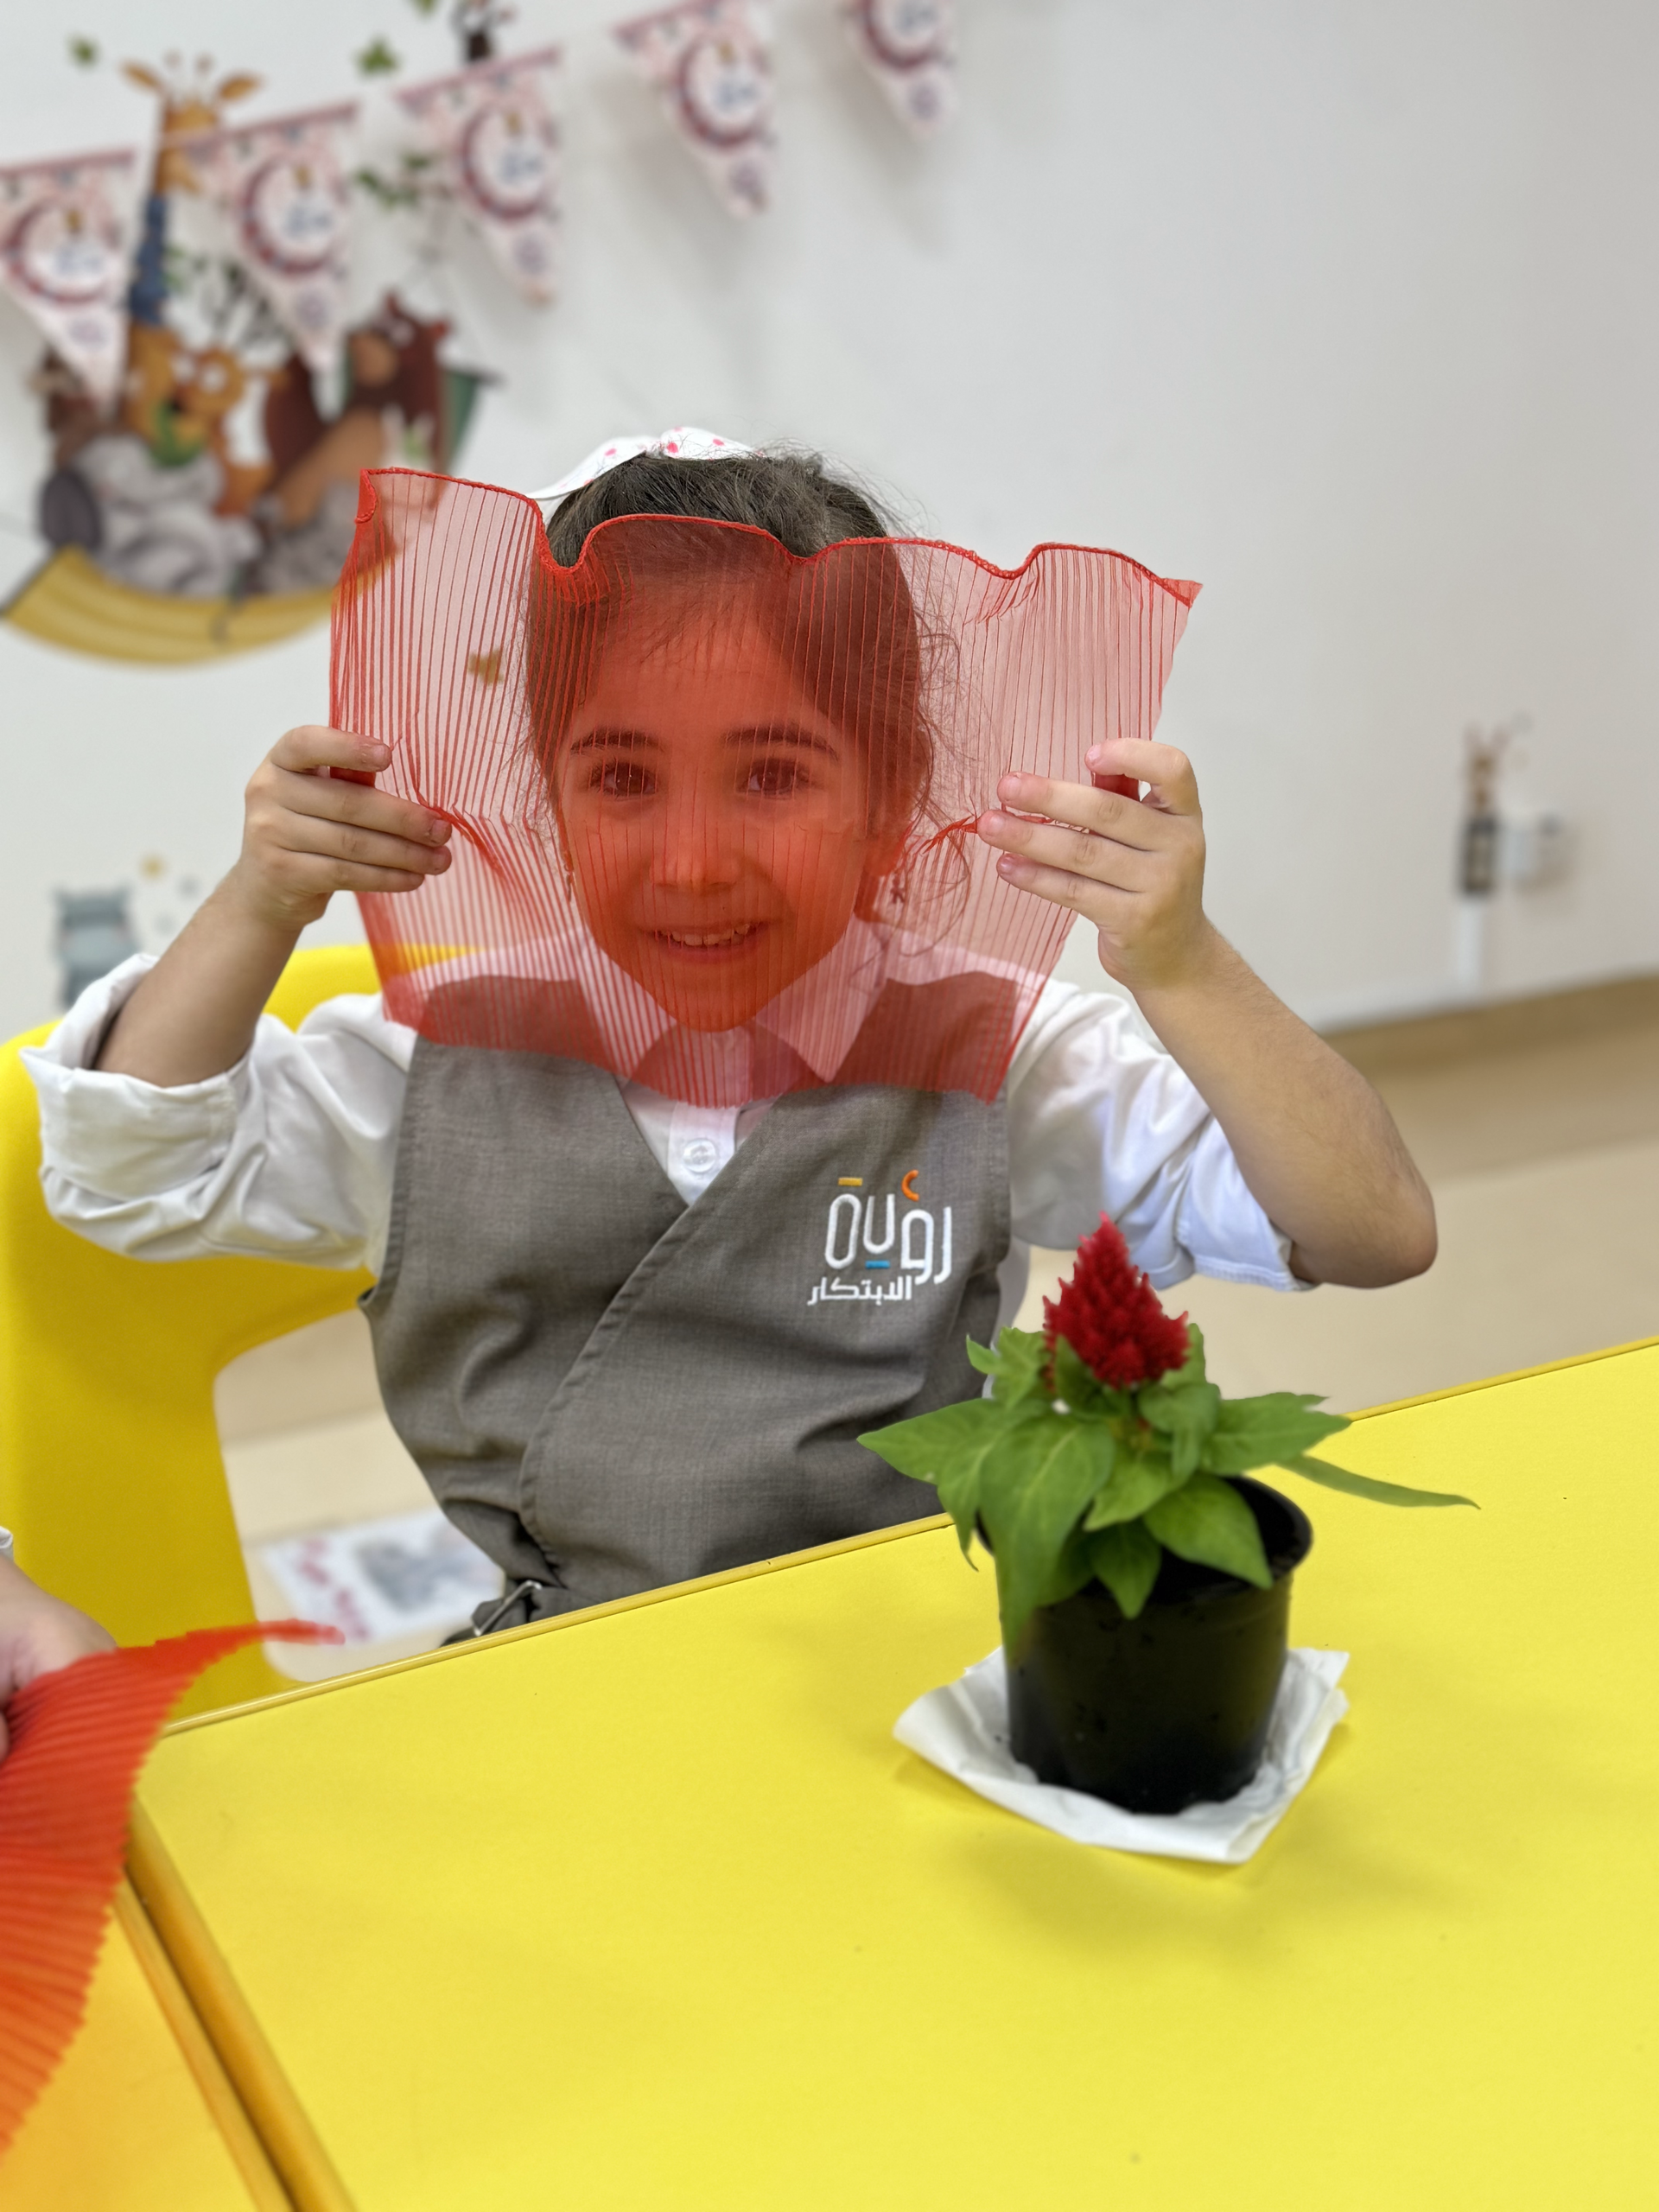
(1143, 1581)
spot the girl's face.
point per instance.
(716, 823)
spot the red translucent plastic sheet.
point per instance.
(79, 1738)
(714, 803)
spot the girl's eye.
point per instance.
(623, 779)
(776, 778)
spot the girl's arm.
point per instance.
(306, 834)
(1316, 1145)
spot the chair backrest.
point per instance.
(111, 1474)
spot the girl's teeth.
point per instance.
(699, 942)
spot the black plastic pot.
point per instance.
(1158, 1713)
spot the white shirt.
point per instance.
(291, 1155)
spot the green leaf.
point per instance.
(1080, 1388)
(1017, 1366)
(1033, 1492)
(1138, 1479)
(1321, 1470)
(1024, 1357)
(1187, 1414)
(1192, 1371)
(1265, 1432)
(947, 1448)
(1127, 1557)
(1207, 1521)
(1072, 1572)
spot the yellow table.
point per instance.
(140, 2116)
(648, 1910)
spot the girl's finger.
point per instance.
(1104, 904)
(339, 840)
(325, 800)
(308, 874)
(1174, 786)
(314, 745)
(1107, 813)
(1051, 844)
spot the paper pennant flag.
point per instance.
(79, 1738)
(67, 230)
(283, 185)
(909, 47)
(493, 125)
(709, 62)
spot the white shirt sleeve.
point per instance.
(287, 1155)
(1102, 1120)
(290, 1154)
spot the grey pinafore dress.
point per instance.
(608, 1389)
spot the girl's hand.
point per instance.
(1315, 1143)
(38, 1634)
(1134, 867)
(308, 834)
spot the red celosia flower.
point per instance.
(1109, 1315)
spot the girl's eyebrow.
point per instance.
(625, 740)
(784, 733)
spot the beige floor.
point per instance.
(1538, 1127)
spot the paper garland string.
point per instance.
(281, 186)
(66, 229)
(710, 62)
(909, 47)
(493, 125)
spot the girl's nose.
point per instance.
(693, 856)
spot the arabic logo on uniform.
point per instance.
(894, 1254)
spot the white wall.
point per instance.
(1347, 309)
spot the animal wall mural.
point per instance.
(207, 398)
(201, 497)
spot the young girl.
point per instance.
(632, 1192)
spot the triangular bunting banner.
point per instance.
(494, 125)
(282, 185)
(710, 63)
(66, 241)
(910, 48)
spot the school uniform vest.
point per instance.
(608, 1389)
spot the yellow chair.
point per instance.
(110, 1476)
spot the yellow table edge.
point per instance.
(286, 2143)
(822, 1551)
(207, 2069)
(250, 2065)
(564, 1620)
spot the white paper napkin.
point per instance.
(963, 1729)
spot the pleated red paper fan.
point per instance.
(79, 1737)
(714, 803)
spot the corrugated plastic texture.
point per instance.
(714, 803)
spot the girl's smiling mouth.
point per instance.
(734, 935)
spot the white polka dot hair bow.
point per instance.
(685, 443)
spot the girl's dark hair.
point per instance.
(846, 626)
(791, 496)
